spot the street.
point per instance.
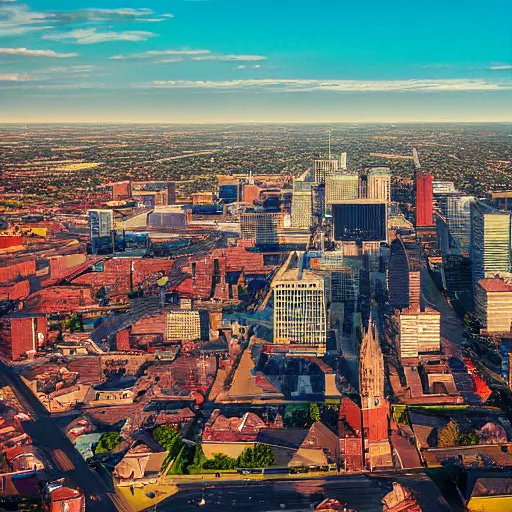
(67, 461)
(361, 492)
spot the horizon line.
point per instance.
(248, 122)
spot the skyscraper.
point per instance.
(300, 311)
(371, 368)
(324, 168)
(490, 241)
(424, 200)
(101, 225)
(379, 184)
(302, 204)
(341, 188)
(456, 209)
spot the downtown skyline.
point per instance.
(213, 61)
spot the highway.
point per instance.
(66, 459)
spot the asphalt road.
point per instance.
(47, 435)
(363, 493)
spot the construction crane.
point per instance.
(416, 158)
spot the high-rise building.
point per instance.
(424, 200)
(300, 317)
(456, 210)
(341, 188)
(101, 225)
(360, 221)
(493, 304)
(371, 369)
(406, 261)
(490, 241)
(379, 184)
(420, 332)
(325, 168)
(262, 227)
(302, 205)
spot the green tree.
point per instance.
(452, 435)
(261, 456)
(314, 412)
(220, 461)
(169, 438)
(107, 442)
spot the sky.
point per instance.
(214, 61)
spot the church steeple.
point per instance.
(371, 368)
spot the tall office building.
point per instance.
(456, 210)
(371, 369)
(493, 304)
(262, 227)
(406, 261)
(490, 241)
(341, 188)
(101, 225)
(302, 205)
(325, 168)
(300, 317)
(360, 221)
(379, 184)
(424, 200)
(420, 332)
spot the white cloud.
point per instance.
(241, 67)
(501, 67)
(15, 77)
(18, 19)
(230, 57)
(168, 61)
(292, 85)
(159, 53)
(257, 66)
(92, 36)
(25, 52)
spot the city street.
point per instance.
(361, 492)
(67, 461)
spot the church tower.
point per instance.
(371, 368)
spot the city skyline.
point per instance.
(216, 61)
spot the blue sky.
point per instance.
(247, 60)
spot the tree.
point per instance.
(220, 461)
(107, 442)
(314, 412)
(169, 438)
(261, 456)
(451, 435)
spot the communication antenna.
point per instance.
(329, 132)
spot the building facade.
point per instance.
(300, 310)
(490, 241)
(493, 305)
(302, 205)
(424, 200)
(420, 332)
(324, 168)
(341, 188)
(379, 184)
